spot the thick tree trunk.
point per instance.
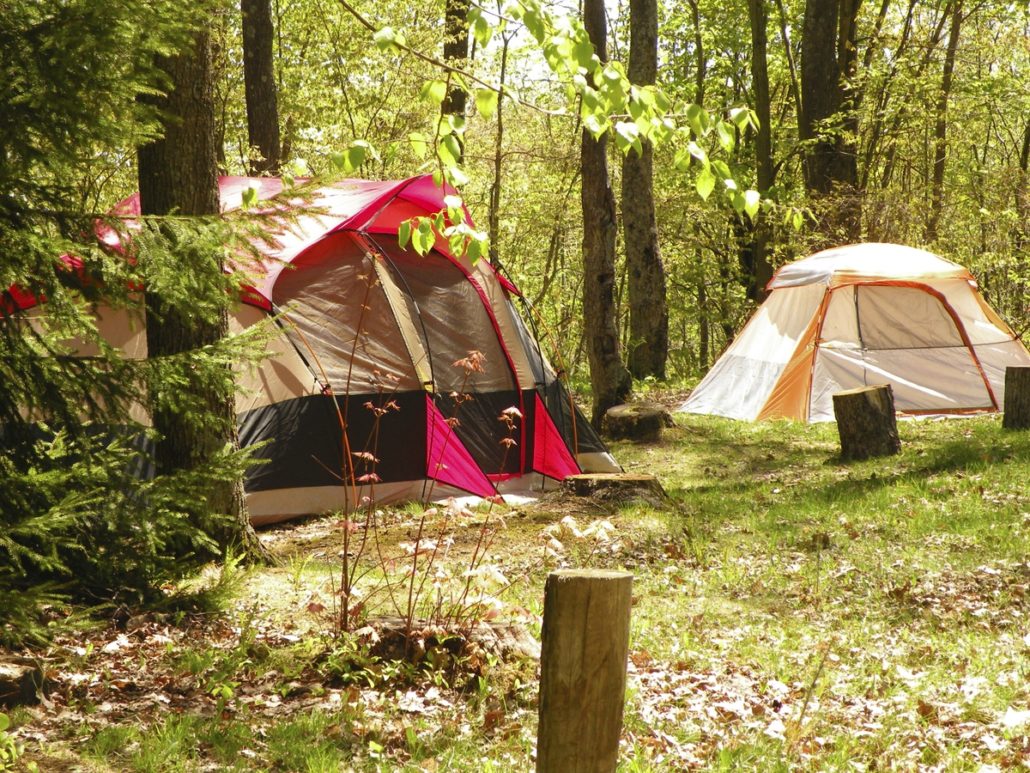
(648, 310)
(940, 134)
(827, 123)
(259, 83)
(178, 173)
(610, 381)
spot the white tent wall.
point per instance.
(739, 384)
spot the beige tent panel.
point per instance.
(281, 375)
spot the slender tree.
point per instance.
(756, 263)
(648, 310)
(456, 52)
(940, 134)
(260, 87)
(177, 174)
(609, 379)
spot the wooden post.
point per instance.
(866, 422)
(1017, 399)
(583, 670)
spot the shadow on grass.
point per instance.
(735, 460)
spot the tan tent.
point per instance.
(861, 315)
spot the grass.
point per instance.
(792, 612)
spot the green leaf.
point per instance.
(727, 138)
(449, 150)
(737, 200)
(419, 144)
(752, 202)
(5, 722)
(697, 119)
(698, 152)
(481, 29)
(389, 40)
(627, 137)
(250, 198)
(595, 125)
(434, 92)
(740, 116)
(682, 159)
(457, 177)
(704, 183)
(423, 238)
(486, 102)
(475, 249)
(583, 53)
(404, 233)
(355, 155)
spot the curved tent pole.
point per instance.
(955, 321)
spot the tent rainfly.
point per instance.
(864, 314)
(390, 376)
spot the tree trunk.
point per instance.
(828, 62)
(260, 86)
(940, 134)
(648, 310)
(610, 381)
(758, 266)
(178, 173)
(494, 218)
(455, 52)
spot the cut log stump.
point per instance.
(641, 422)
(614, 485)
(866, 422)
(20, 683)
(583, 670)
(1017, 399)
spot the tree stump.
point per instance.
(583, 670)
(1017, 399)
(614, 485)
(866, 422)
(640, 422)
(20, 683)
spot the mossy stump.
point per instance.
(614, 485)
(866, 422)
(640, 422)
(1017, 399)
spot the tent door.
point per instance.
(904, 336)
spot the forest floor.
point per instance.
(790, 612)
